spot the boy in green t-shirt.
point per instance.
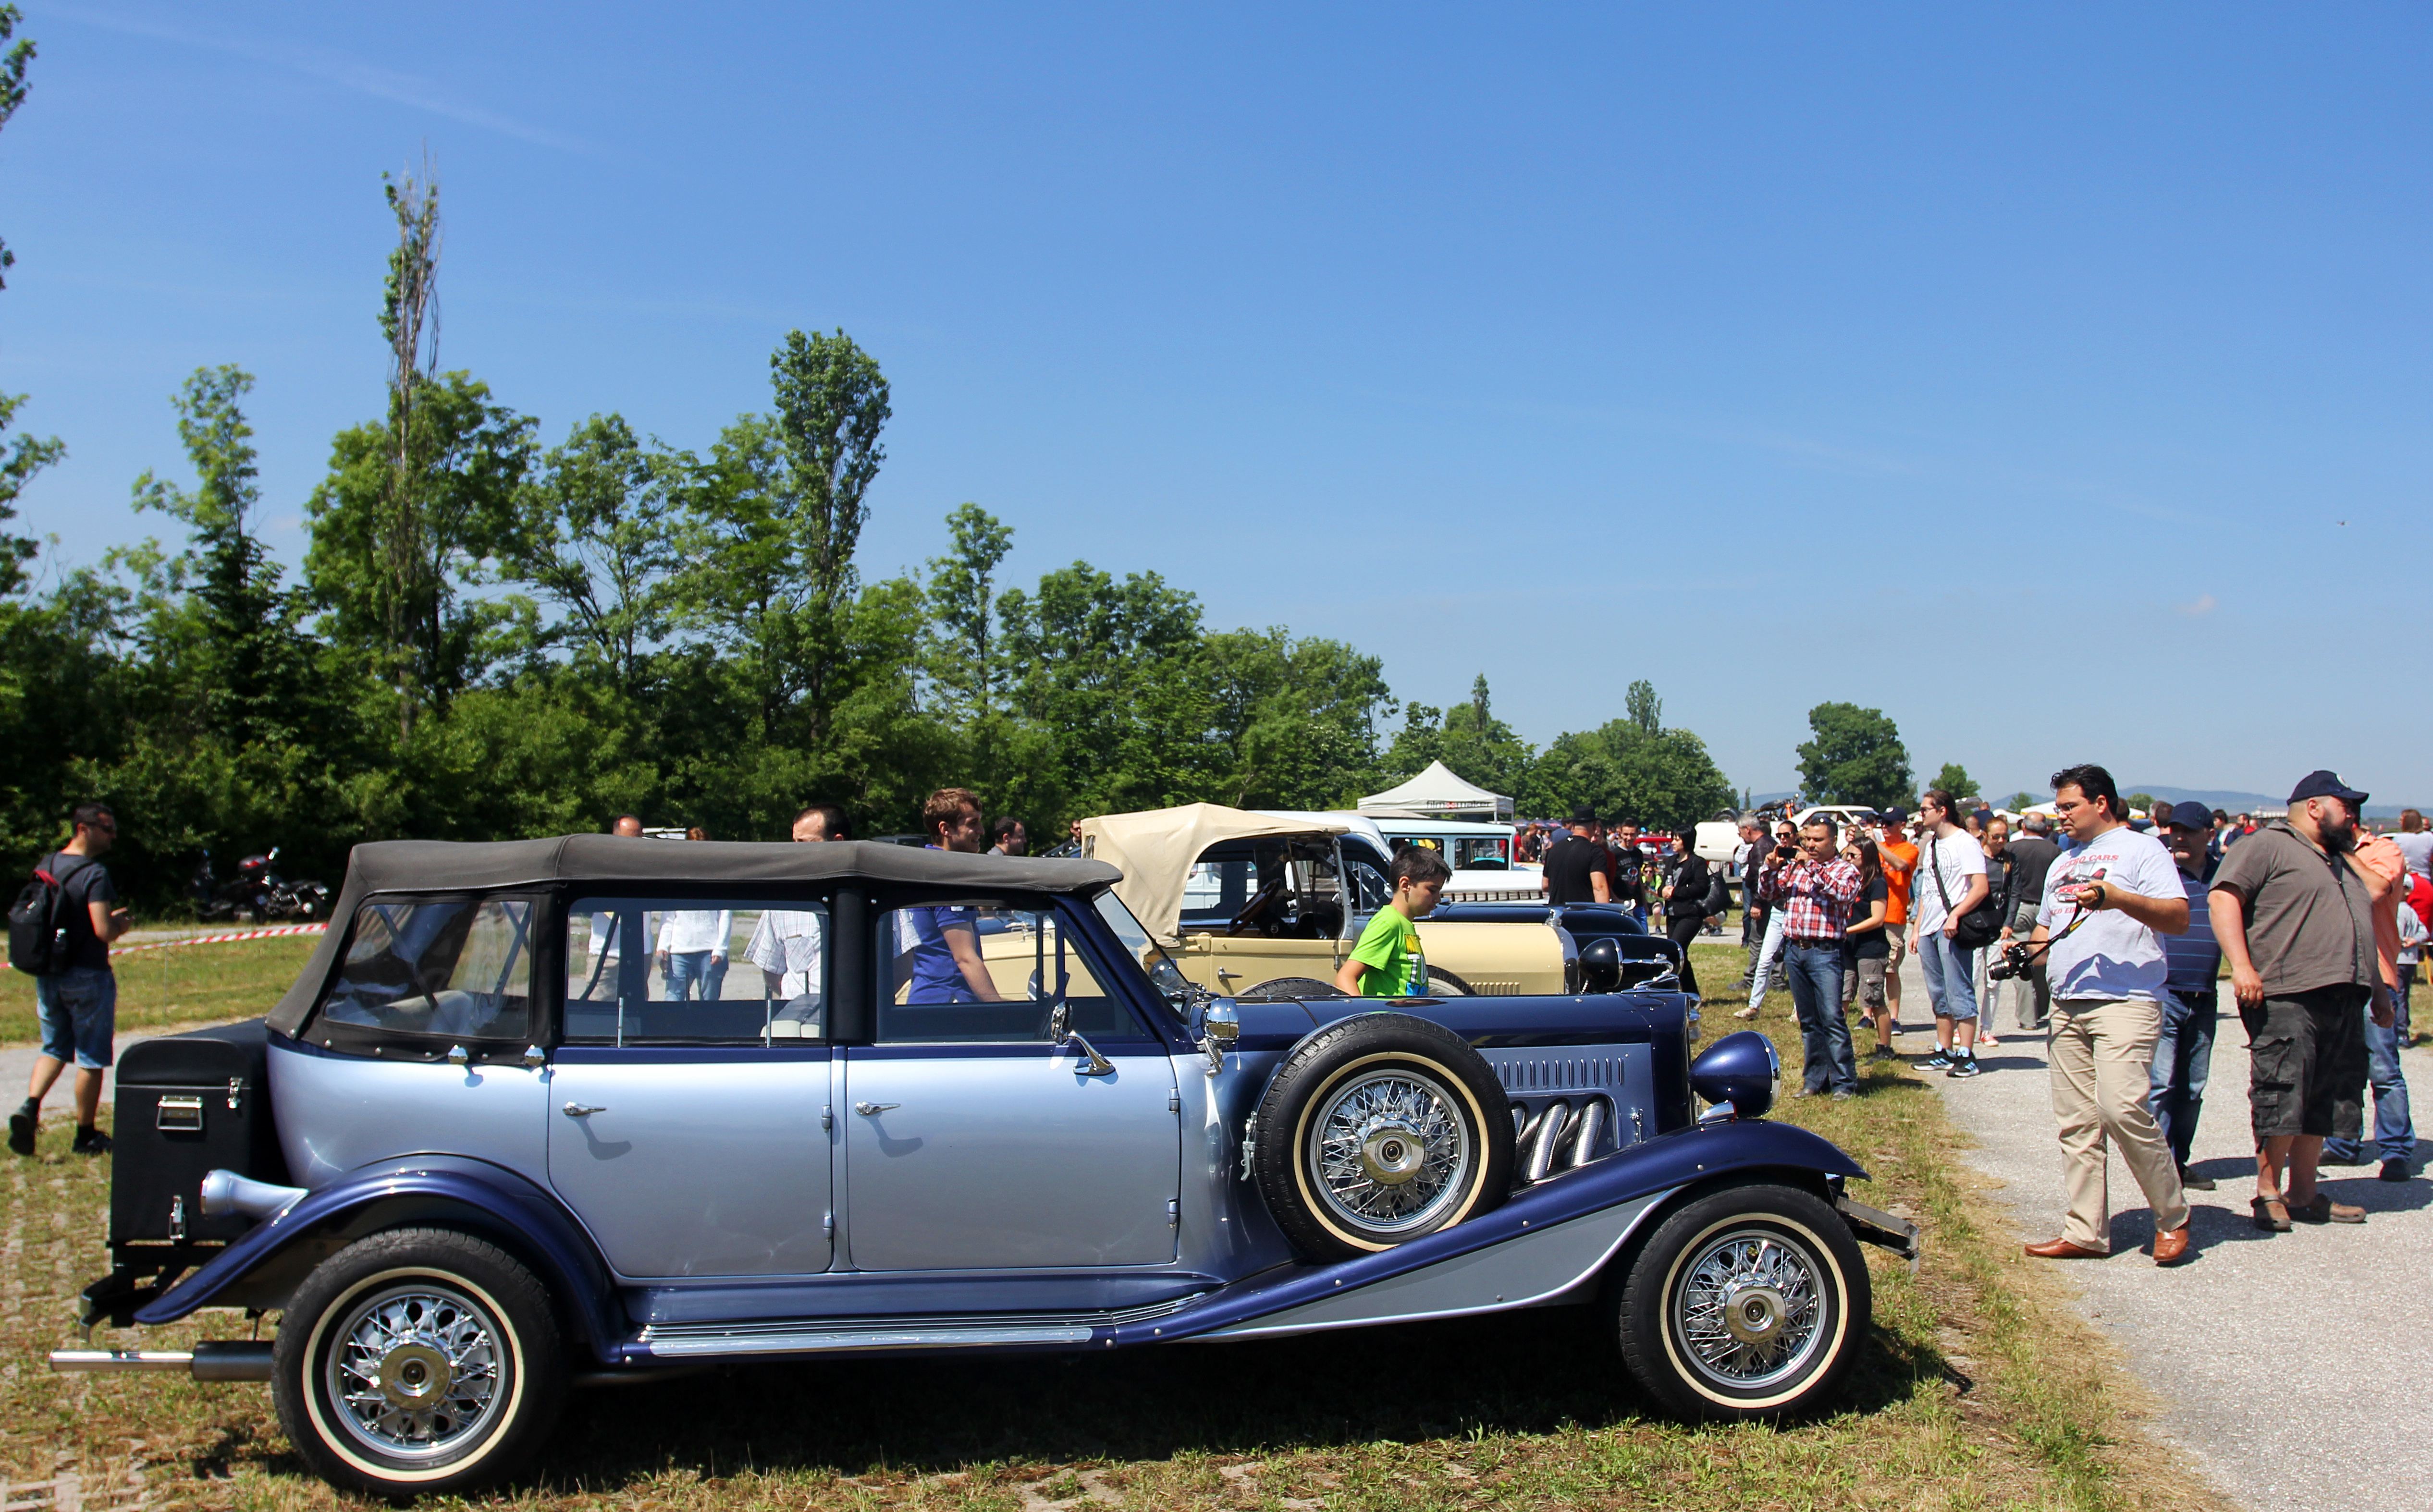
(1381, 965)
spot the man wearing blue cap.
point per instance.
(2294, 909)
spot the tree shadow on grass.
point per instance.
(1531, 1372)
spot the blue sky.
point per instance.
(2009, 371)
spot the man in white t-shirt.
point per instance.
(2107, 893)
(1950, 881)
(785, 943)
(2415, 842)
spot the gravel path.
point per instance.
(2294, 1367)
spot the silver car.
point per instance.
(546, 1113)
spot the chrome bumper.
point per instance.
(212, 1360)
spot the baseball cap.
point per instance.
(2321, 784)
(2190, 816)
(1896, 815)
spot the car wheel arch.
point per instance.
(1803, 1179)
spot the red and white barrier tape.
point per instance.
(218, 940)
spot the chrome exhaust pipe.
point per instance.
(1591, 1123)
(1550, 1134)
(212, 1360)
(225, 1192)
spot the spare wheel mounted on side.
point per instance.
(1378, 1129)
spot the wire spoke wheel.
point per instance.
(1388, 1151)
(1747, 1309)
(416, 1370)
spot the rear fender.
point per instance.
(263, 1269)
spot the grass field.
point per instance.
(180, 984)
(1980, 1392)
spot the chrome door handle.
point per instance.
(580, 1110)
(1223, 974)
(872, 1109)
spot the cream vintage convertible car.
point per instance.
(1262, 904)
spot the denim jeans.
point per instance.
(1951, 974)
(2394, 1131)
(78, 1013)
(2183, 1054)
(1815, 973)
(692, 969)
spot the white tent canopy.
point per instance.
(1439, 793)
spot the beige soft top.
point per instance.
(1154, 850)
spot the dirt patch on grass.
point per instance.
(1980, 1390)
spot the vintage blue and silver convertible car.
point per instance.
(552, 1111)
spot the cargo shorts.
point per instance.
(2307, 1063)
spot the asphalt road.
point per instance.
(2294, 1369)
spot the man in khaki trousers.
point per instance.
(2106, 894)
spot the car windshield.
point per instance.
(1163, 973)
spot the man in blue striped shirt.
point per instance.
(2190, 1004)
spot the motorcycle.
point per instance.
(256, 893)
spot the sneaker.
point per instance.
(2393, 1171)
(90, 1142)
(1964, 1067)
(1843, 1095)
(22, 1125)
(1939, 1060)
(1987, 1041)
(2195, 1182)
(1885, 1052)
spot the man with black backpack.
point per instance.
(60, 933)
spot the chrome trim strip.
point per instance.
(806, 1336)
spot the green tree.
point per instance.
(248, 669)
(2019, 802)
(1643, 707)
(1855, 757)
(2141, 800)
(832, 404)
(1665, 779)
(22, 456)
(422, 627)
(962, 658)
(599, 537)
(1294, 720)
(1953, 778)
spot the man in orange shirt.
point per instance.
(2395, 1129)
(1899, 859)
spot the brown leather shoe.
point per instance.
(2324, 1209)
(2062, 1249)
(2171, 1245)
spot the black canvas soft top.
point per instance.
(500, 866)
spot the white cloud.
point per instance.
(337, 68)
(2202, 606)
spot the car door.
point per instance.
(690, 1103)
(976, 1135)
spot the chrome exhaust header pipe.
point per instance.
(1591, 1121)
(212, 1360)
(1550, 1134)
(225, 1192)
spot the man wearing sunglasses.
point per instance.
(79, 1006)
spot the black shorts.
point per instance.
(2307, 1063)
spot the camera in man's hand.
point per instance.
(1784, 855)
(2016, 957)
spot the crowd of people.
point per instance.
(2112, 938)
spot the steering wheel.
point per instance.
(1260, 903)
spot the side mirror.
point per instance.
(1220, 1028)
(1059, 1022)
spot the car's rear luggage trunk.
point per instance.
(189, 1104)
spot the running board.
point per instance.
(844, 1335)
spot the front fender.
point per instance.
(446, 1190)
(1644, 1173)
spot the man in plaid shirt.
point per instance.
(1814, 890)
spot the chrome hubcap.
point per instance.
(414, 1371)
(1390, 1153)
(1747, 1309)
